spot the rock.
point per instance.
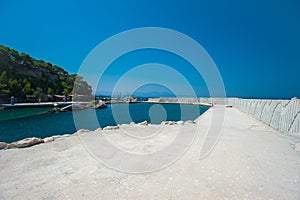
(110, 128)
(98, 129)
(170, 122)
(189, 122)
(180, 122)
(56, 136)
(3, 145)
(82, 131)
(66, 135)
(27, 142)
(143, 123)
(297, 147)
(48, 139)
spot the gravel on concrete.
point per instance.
(250, 161)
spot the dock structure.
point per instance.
(41, 104)
(35, 105)
(249, 161)
(280, 114)
(30, 105)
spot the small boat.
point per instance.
(100, 106)
(61, 105)
(74, 107)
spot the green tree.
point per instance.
(26, 59)
(50, 91)
(27, 87)
(4, 89)
(38, 93)
(15, 86)
(3, 77)
(20, 75)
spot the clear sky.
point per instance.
(255, 44)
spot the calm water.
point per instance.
(18, 124)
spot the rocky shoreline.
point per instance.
(28, 142)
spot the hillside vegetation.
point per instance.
(22, 76)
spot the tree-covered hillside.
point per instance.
(22, 76)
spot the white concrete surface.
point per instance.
(250, 161)
(283, 115)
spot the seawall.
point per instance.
(282, 115)
(189, 100)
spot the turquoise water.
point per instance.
(19, 113)
(36, 123)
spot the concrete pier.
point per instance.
(30, 105)
(283, 115)
(250, 161)
(41, 104)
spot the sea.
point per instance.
(17, 124)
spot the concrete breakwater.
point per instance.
(252, 163)
(189, 100)
(282, 115)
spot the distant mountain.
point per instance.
(22, 76)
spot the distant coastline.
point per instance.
(26, 79)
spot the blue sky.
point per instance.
(255, 44)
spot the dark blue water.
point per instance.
(49, 124)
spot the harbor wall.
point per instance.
(188, 100)
(282, 115)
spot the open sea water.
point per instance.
(17, 124)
